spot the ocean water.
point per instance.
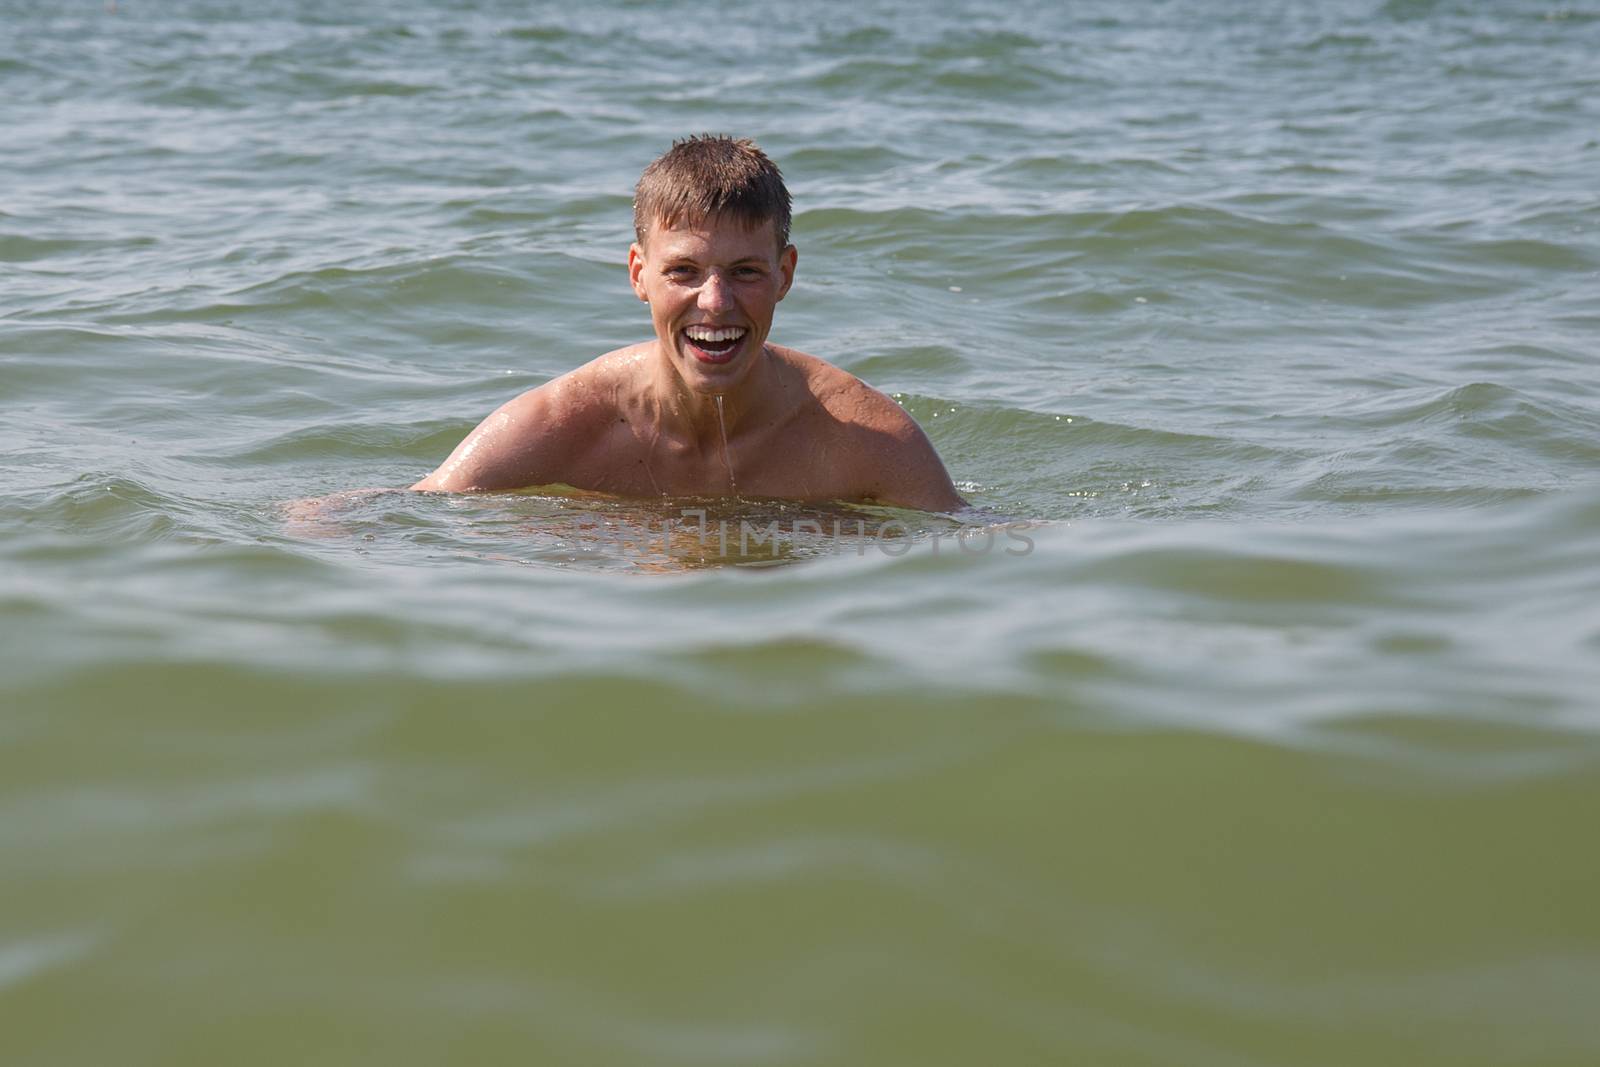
(1254, 719)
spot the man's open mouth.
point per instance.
(714, 344)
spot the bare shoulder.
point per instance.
(533, 438)
(885, 454)
(847, 399)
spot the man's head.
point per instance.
(705, 177)
(712, 257)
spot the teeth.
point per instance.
(702, 333)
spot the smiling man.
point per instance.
(708, 407)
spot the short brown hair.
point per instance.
(712, 174)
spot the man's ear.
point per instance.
(636, 268)
(786, 262)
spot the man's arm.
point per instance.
(900, 466)
(517, 445)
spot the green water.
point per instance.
(1253, 721)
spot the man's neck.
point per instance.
(709, 418)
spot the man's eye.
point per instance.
(679, 272)
(749, 272)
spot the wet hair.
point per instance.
(711, 175)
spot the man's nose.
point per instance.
(714, 293)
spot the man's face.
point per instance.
(712, 289)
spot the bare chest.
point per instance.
(796, 462)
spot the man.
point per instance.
(708, 407)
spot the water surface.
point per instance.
(1273, 323)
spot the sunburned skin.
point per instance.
(708, 407)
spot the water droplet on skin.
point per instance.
(727, 461)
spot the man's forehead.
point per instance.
(723, 231)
